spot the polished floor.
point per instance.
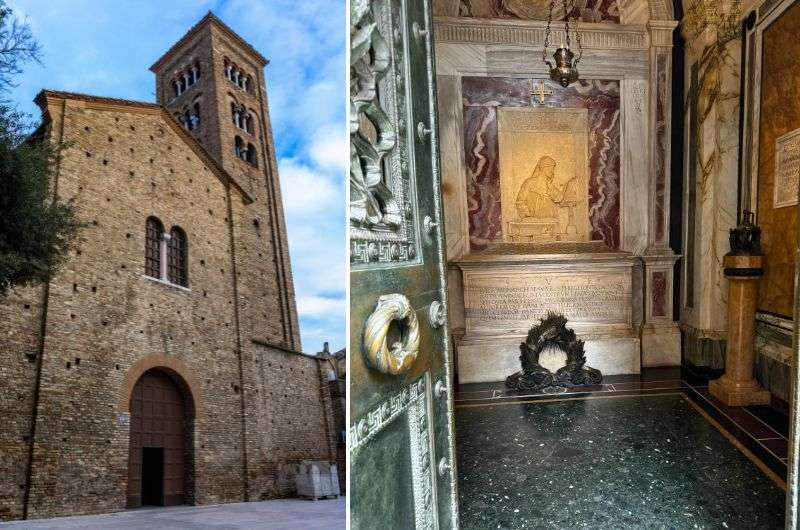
(282, 514)
(636, 454)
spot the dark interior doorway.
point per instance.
(160, 459)
(153, 476)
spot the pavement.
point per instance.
(280, 514)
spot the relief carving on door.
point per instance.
(382, 212)
(409, 404)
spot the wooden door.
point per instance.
(158, 420)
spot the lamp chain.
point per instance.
(578, 38)
(547, 33)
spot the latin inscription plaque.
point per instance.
(512, 301)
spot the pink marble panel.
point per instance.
(658, 284)
(660, 146)
(482, 96)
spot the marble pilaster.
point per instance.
(711, 146)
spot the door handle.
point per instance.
(398, 357)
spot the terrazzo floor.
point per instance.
(621, 462)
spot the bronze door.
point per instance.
(157, 440)
(401, 411)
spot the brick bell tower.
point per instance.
(212, 81)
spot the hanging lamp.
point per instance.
(565, 69)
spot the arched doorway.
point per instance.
(160, 462)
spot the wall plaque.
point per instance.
(544, 183)
(787, 169)
(497, 301)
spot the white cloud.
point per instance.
(319, 306)
(329, 148)
(306, 190)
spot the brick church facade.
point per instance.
(162, 364)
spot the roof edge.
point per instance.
(209, 18)
(191, 141)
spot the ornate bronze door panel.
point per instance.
(401, 410)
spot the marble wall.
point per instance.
(711, 140)
(779, 114)
(713, 75)
(482, 96)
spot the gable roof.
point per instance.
(148, 108)
(210, 18)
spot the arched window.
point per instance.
(251, 155)
(176, 257)
(152, 247)
(249, 123)
(253, 123)
(239, 148)
(237, 115)
(196, 115)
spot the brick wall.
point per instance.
(20, 324)
(257, 407)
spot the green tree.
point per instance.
(36, 229)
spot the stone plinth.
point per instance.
(509, 287)
(738, 387)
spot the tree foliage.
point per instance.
(36, 229)
(17, 46)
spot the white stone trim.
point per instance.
(167, 283)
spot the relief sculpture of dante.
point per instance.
(539, 196)
(538, 202)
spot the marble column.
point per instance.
(737, 387)
(660, 334)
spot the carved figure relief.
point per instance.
(544, 174)
(540, 198)
(585, 10)
(381, 211)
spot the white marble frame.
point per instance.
(458, 59)
(469, 47)
(625, 52)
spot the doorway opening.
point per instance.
(153, 476)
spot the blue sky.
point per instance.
(105, 47)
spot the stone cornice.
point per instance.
(661, 32)
(531, 33)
